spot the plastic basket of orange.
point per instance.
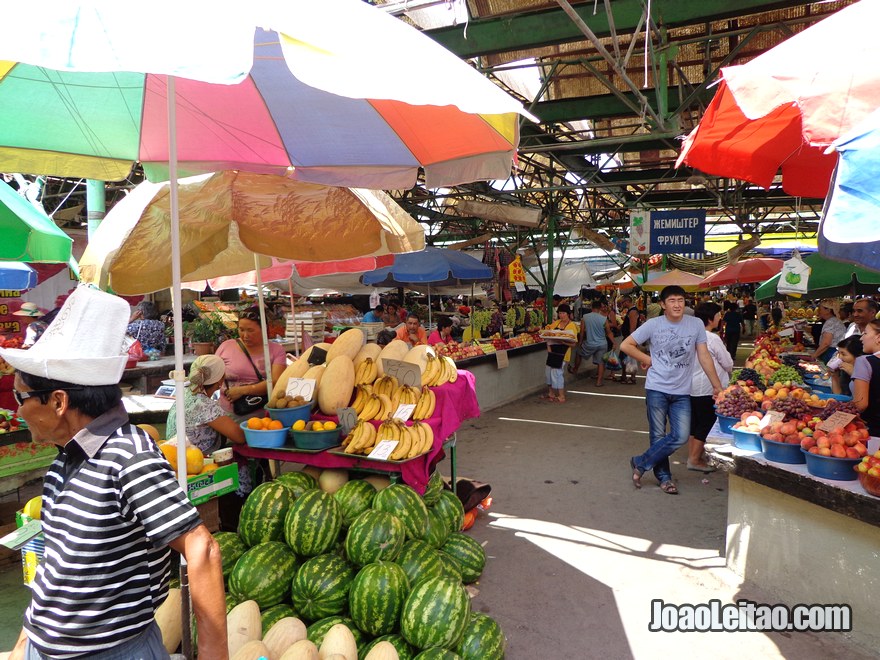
(264, 432)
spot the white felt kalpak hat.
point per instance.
(83, 345)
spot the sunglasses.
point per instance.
(21, 397)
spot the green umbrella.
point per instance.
(828, 279)
(28, 234)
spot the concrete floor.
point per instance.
(576, 554)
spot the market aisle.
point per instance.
(577, 554)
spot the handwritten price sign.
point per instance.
(836, 421)
(383, 449)
(304, 387)
(347, 419)
(406, 373)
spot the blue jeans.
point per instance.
(145, 646)
(676, 408)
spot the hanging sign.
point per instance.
(667, 232)
(639, 233)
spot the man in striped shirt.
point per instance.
(111, 510)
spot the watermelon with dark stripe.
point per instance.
(436, 653)
(450, 567)
(313, 523)
(263, 513)
(320, 588)
(467, 553)
(377, 596)
(274, 614)
(436, 529)
(374, 535)
(263, 574)
(298, 482)
(450, 509)
(405, 650)
(435, 614)
(482, 639)
(318, 630)
(231, 549)
(419, 560)
(402, 501)
(355, 497)
(433, 489)
(232, 601)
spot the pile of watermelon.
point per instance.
(389, 564)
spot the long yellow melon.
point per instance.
(368, 351)
(317, 374)
(170, 621)
(301, 650)
(243, 625)
(395, 350)
(253, 650)
(419, 355)
(337, 385)
(285, 633)
(349, 343)
(295, 369)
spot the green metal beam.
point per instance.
(604, 106)
(552, 26)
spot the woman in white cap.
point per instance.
(206, 423)
(34, 325)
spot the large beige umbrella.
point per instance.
(687, 281)
(227, 217)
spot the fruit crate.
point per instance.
(310, 323)
(202, 487)
(372, 330)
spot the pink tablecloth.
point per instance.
(456, 402)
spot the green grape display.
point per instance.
(481, 319)
(510, 317)
(785, 374)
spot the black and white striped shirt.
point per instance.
(111, 505)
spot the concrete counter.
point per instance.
(496, 387)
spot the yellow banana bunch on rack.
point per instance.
(444, 372)
(371, 408)
(426, 404)
(405, 395)
(385, 385)
(367, 372)
(432, 369)
(361, 394)
(386, 407)
(425, 435)
(361, 440)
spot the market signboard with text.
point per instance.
(667, 232)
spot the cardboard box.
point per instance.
(202, 487)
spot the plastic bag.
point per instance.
(794, 277)
(631, 366)
(612, 360)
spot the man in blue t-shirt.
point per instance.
(375, 315)
(675, 340)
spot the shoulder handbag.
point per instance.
(248, 404)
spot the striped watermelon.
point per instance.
(467, 553)
(263, 574)
(274, 614)
(405, 651)
(433, 489)
(298, 482)
(318, 630)
(231, 548)
(232, 601)
(451, 568)
(262, 516)
(482, 639)
(313, 523)
(377, 596)
(419, 560)
(436, 531)
(374, 535)
(355, 497)
(402, 501)
(320, 588)
(435, 614)
(450, 509)
(436, 653)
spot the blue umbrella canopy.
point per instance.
(850, 230)
(17, 276)
(430, 266)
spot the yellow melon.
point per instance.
(337, 385)
(170, 621)
(283, 634)
(419, 355)
(368, 351)
(243, 625)
(395, 350)
(349, 343)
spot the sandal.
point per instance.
(636, 473)
(599, 383)
(545, 397)
(669, 488)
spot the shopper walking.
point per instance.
(733, 327)
(677, 342)
(594, 335)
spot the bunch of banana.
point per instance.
(439, 371)
(411, 440)
(405, 395)
(376, 406)
(426, 436)
(385, 385)
(427, 403)
(361, 440)
(362, 394)
(367, 372)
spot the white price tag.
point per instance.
(348, 419)
(403, 412)
(519, 286)
(304, 387)
(771, 416)
(383, 449)
(406, 373)
(502, 359)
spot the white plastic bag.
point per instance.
(794, 277)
